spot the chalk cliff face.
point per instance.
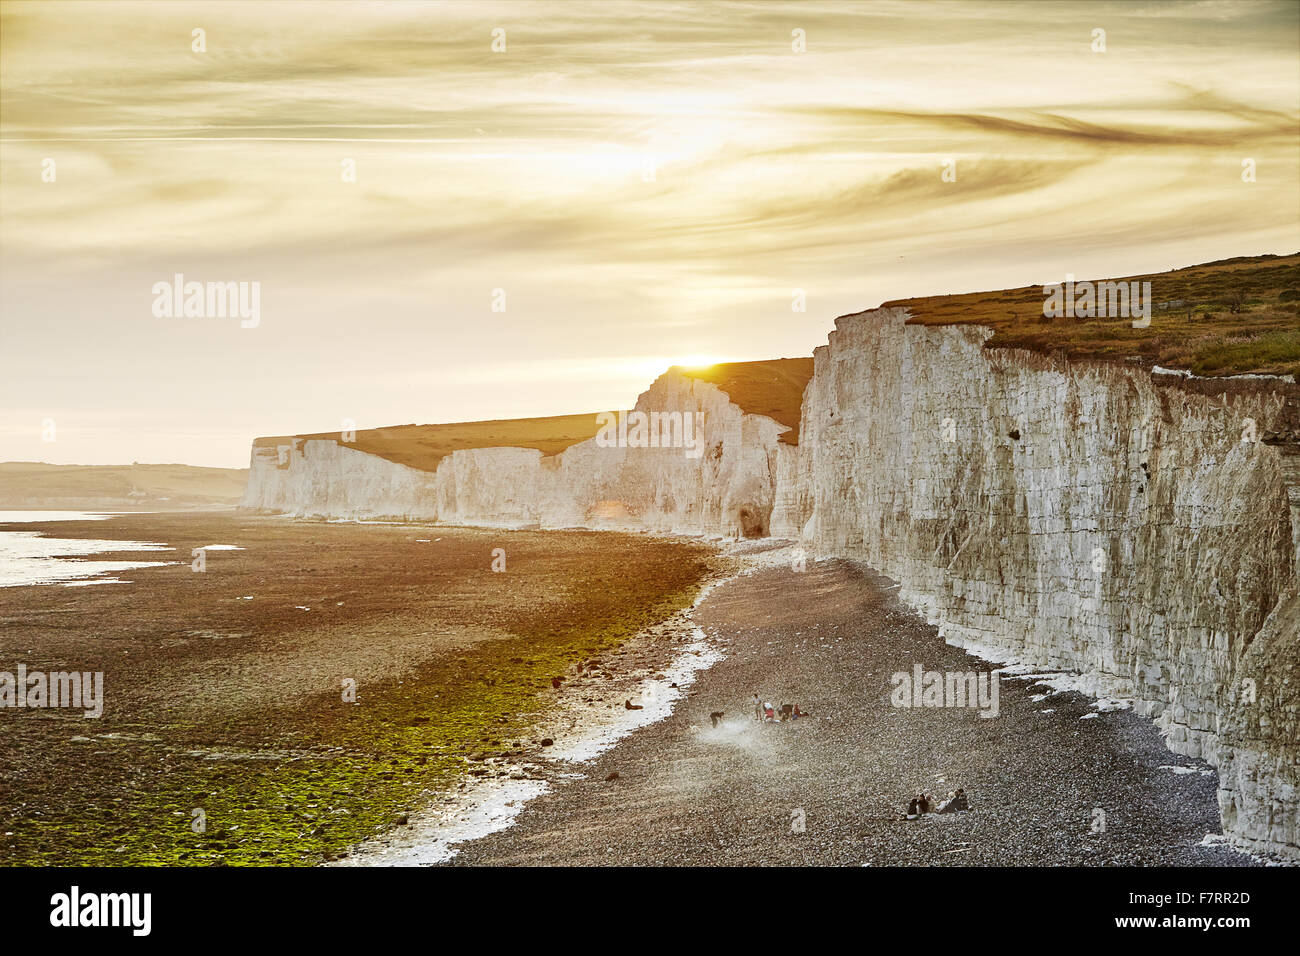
(1077, 517)
(724, 486)
(321, 478)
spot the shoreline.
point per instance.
(482, 805)
(222, 689)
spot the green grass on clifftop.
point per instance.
(1236, 316)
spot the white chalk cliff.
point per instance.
(1077, 516)
(723, 487)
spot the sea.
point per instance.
(30, 557)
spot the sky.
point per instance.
(543, 227)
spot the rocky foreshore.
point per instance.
(1055, 778)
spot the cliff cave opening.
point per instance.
(751, 522)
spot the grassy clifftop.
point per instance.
(1219, 318)
(423, 446)
(773, 387)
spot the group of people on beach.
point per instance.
(765, 712)
(922, 804)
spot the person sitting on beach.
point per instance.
(925, 804)
(913, 808)
(787, 712)
(955, 802)
(768, 712)
(797, 713)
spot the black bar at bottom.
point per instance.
(642, 908)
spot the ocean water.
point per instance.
(30, 557)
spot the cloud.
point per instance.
(1265, 126)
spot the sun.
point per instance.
(698, 361)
